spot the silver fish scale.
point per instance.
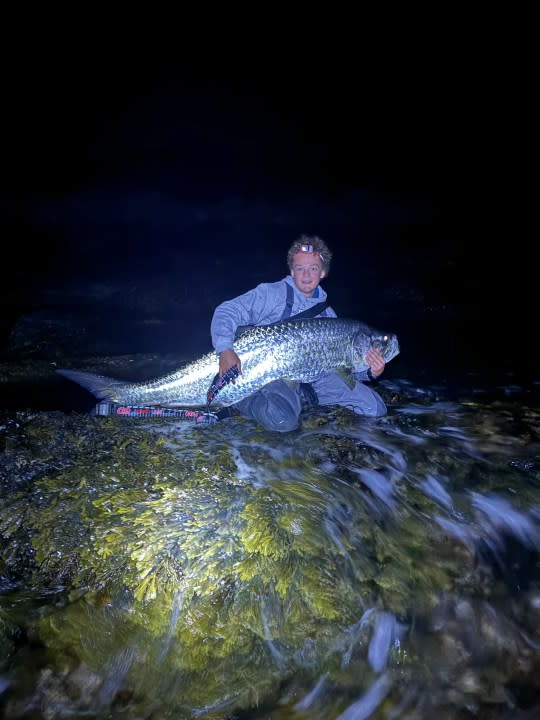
(297, 350)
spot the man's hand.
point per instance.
(228, 358)
(375, 361)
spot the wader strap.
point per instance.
(310, 312)
(288, 304)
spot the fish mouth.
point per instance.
(383, 344)
(390, 347)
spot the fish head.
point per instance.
(366, 338)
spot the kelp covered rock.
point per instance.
(202, 571)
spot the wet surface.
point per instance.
(353, 568)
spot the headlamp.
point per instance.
(309, 249)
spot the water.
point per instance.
(355, 568)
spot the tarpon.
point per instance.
(294, 350)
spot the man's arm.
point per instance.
(376, 362)
(227, 359)
(376, 365)
(252, 308)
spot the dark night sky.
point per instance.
(209, 170)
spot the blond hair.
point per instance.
(319, 247)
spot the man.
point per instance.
(277, 405)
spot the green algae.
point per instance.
(171, 571)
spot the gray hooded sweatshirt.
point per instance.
(265, 304)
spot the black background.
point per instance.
(189, 172)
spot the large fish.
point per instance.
(294, 350)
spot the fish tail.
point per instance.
(102, 387)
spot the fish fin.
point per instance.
(100, 386)
(347, 376)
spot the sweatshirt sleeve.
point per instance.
(255, 307)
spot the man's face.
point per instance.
(307, 271)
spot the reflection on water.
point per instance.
(354, 568)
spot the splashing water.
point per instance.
(351, 569)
